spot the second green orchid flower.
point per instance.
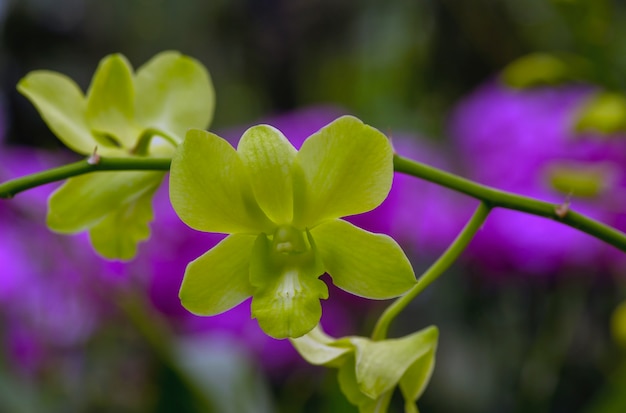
(281, 208)
(370, 370)
(122, 115)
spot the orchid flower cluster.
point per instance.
(282, 209)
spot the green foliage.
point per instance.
(540, 69)
(605, 112)
(581, 179)
(281, 208)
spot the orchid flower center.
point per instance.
(291, 246)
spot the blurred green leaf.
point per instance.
(605, 112)
(612, 398)
(581, 179)
(538, 69)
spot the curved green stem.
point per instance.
(143, 143)
(497, 198)
(443, 263)
(94, 163)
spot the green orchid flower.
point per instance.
(123, 114)
(281, 208)
(370, 370)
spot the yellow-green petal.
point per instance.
(83, 201)
(286, 298)
(416, 378)
(219, 279)
(318, 348)
(381, 364)
(268, 157)
(62, 105)
(347, 169)
(210, 189)
(174, 94)
(116, 237)
(363, 263)
(350, 388)
(111, 103)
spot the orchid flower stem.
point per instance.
(92, 164)
(491, 196)
(443, 263)
(146, 137)
(497, 198)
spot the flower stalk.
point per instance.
(435, 270)
(490, 196)
(503, 199)
(13, 187)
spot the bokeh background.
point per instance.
(526, 96)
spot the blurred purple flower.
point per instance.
(46, 300)
(517, 140)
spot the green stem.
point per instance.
(497, 198)
(443, 263)
(11, 188)
(143, 143)
(491, 196)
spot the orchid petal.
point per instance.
(268, 156)
(209, 188)
(117, 235)
(219, 279)
(174, 94)
(363, 263)
(414, 381)
(349, 385)
(318, 348)
(62, 105)
(83, 201)
(111, 103)
(347, 169)
(381, 364)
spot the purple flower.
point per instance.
(523, 141)
(48, 301)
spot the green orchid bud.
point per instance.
(282, 209)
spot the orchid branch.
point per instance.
(443, 263)
(490, 196)
(496, 198)
(94, 163)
